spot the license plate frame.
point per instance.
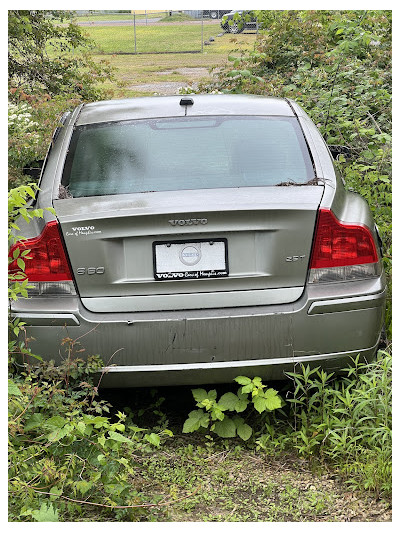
(190, 266)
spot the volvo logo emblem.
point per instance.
(188, 221)
(190, 255)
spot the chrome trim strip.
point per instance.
(234, 364)
(208, 300)
(53, 319)
(347, 304)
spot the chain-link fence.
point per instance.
(141, 32)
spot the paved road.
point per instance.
(117, 22)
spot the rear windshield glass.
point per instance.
(186, 153)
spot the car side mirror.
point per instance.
(33, 169)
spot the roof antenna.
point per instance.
(186, 101)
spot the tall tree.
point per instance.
(47, 52)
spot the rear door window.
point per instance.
(186, 153)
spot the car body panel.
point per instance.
(215, 13)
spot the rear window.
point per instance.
(186, 153)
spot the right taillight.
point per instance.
(342, 252)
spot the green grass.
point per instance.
(176, 18)
(151, 39)
(132, 70)
(104, 17)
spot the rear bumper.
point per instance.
(326, 326)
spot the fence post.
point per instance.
(134, 29)
(202, 32)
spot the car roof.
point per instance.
(169, 106)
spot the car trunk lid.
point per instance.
(254, 246)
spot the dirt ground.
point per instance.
(235, 483)
(227, 486)
(165, 88)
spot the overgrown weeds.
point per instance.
(67, 455)
(344, 423)
(73, 456)
(65, 451)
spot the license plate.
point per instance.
(200, 259)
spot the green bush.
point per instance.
(212, 415)
(67, 456)
(31, 123)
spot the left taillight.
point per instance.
(46, 265)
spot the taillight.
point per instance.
(46, 264)
(342, 251)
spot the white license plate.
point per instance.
(190, 259)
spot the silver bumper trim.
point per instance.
(347, 304)
(49, 319)
(210, 300)
(235, 364)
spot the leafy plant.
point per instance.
(343, 422)
(212, 412)
(61, 446)
(64, 447)
(44, 514)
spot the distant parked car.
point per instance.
(236, 22)
(215, 13)
(199, 238)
